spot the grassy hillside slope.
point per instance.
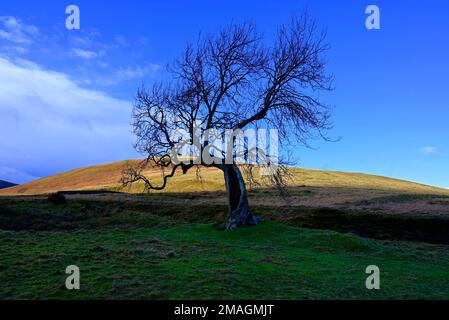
(107, 176)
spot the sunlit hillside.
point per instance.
(107, 177)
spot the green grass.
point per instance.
(130, 253)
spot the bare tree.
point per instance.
(233, 81)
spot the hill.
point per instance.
(6, 184)
(107, 177)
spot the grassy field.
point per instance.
(315, 244)
(151, 252)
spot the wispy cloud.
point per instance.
(428, 150)
(110, 77)
(132, 73)
(57, 123)
(100, 62)
(87, 54)
(16, 31)
(15, 49)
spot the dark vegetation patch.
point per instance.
(48, 216)
(56, 198)
(407, 198)
(87, 192)
(377, 226)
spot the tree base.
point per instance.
(242, 221)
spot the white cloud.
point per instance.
(137, 72)
(130, 73)
(15, 50)
(14, 30)
(87, 54)
(49, 123)
(428, 150)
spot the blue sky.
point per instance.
(66, 96)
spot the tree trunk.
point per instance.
(239, 214)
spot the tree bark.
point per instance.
(239, 213)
